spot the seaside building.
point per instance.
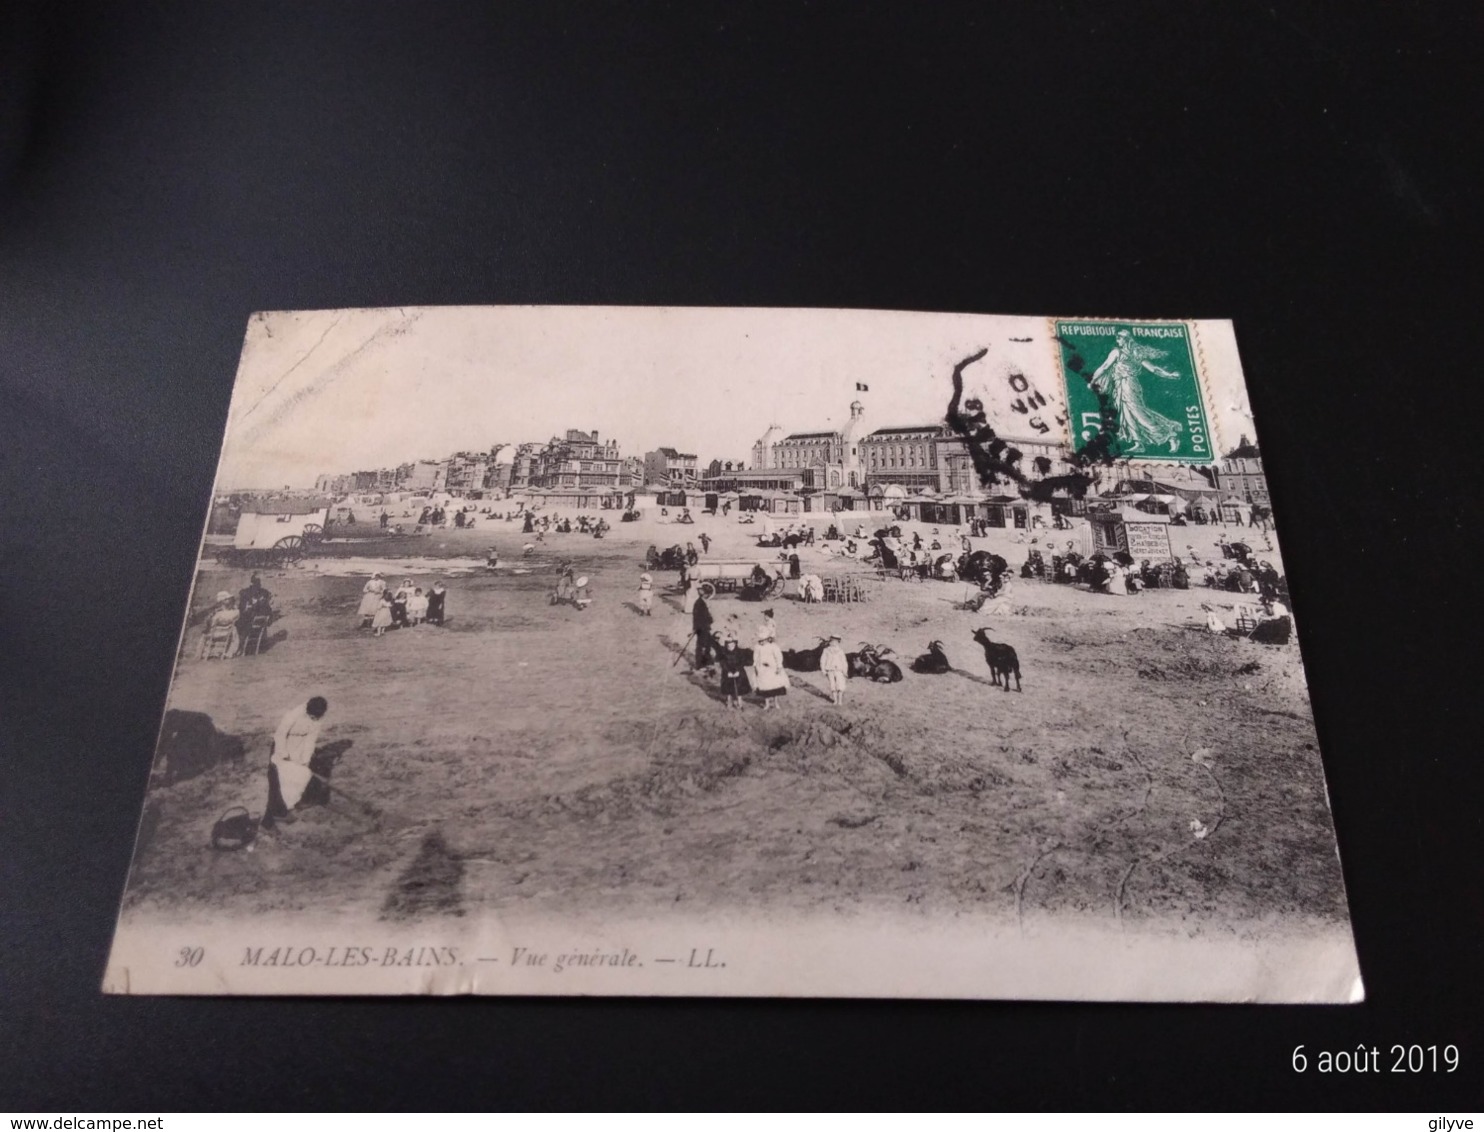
(579, 459)
(497, 478)
(335, 485)
(425, 477)
(745, 480)
(1241, 474)
(465, 472)
(906, 455)
(932, 457)
(523, 464)
(824, 459)
(1034, 457)
(666, 467)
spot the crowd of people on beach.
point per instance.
(541, 525)
(404, 607)
(738, 658)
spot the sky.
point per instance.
(327, 392)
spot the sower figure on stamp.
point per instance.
(1118, 377)
(288, 766)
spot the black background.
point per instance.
(165, 169)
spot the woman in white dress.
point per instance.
(370, 599)
(772, 681)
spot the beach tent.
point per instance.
(849, 498)
(1234, 510)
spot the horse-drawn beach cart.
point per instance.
(750, 578)
(274, 533)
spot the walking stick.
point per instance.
(681, 653)
(378, 815)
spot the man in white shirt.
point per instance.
(288, 766)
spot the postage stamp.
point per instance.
(1134, 392)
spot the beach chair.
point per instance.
(218, 642)
(252, 643)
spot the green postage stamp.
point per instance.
(1133, 391)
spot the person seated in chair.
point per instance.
(1274, 623)
(221, 626)
(253, 601)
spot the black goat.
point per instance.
(1002, 661)
(804, 660)
(870, 663)
(934, 661)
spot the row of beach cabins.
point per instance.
(257, 522)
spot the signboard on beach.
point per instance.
(1145, 537)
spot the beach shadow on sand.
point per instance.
(794, 682)
(976, 679)
(190, 744)
(430, 885)
(713, 691)
(674, 647)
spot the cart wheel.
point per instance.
(313, 533)
(287, 550)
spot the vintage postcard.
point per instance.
(622, 651)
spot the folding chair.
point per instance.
(253, 643)
(218, 641)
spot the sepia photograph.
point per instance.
(666, 651)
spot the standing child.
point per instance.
(370, 599)
(768, 630)
(734, 683)
(832, 663)
(646, 593)
(417, 606)
(381, 620)
(437, 604)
